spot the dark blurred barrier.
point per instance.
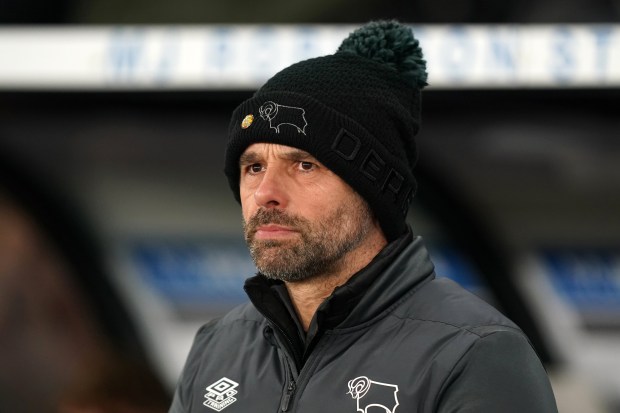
(66, 338)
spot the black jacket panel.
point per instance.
(412, 343)
(525, 386)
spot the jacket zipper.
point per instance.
(291, 386)
(288, 396)
(289, 342)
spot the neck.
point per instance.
(307, 295)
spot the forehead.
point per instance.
(263, 150)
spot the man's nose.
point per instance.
(271, 192)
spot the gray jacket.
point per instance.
(394, 339)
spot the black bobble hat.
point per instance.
(356, 111)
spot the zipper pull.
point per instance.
(286, 400)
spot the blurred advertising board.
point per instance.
(242, 57)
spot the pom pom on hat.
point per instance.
(392, 44)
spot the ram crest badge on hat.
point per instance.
(279, 115)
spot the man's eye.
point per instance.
(306, 166)
(256, 168)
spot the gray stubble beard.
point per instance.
(319, 248)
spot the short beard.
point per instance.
(320, 248)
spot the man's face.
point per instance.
(300, 219)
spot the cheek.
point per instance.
(331, 194)
(247, 189)
(247, 208)
(248, 203)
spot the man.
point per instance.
(346, 314)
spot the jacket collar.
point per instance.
(397, 269)
(344, 301)
(404, 273)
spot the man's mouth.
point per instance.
(274, 231)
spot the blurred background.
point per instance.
(119, 236)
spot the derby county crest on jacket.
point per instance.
(373, 394)
(220, 394)
(279, 115)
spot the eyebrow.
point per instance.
(251, 157)
(248, 158)
(296, 155)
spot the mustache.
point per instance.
(270, 216)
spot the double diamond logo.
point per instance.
(220, 394)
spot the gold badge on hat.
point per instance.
(247, 121)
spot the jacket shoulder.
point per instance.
(242, 314)
(441, 300)
(499, 372)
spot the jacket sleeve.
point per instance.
(177, 405)
(499, 373)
